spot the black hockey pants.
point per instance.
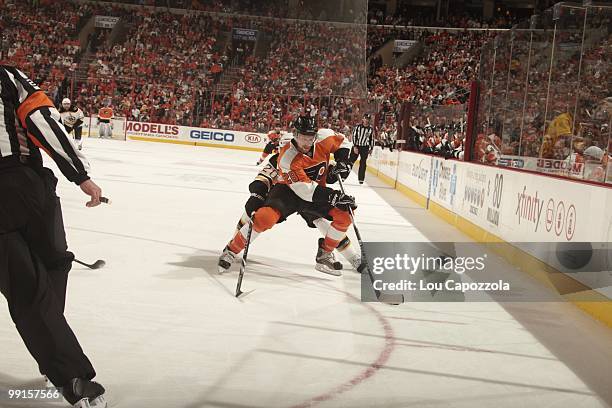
(363, 152)
(34, 266)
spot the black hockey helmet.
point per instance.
(305, 125)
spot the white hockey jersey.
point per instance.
(71, 117)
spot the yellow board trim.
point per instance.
(598, 305)
(201, 144)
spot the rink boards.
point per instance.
(535, 214)
(155, 132)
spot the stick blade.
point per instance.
(98, 264)
(391, 298)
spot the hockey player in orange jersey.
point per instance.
(274, 137)
(105, 117)
(260, 189)
(303, 167)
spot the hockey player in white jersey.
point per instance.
(72, 119)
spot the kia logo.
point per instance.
(253, 138)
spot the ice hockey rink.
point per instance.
(163, 329)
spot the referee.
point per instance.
(363, 143)
(34, 257)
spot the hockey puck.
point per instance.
(574, 255)
(105, 200)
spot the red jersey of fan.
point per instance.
(303, 172)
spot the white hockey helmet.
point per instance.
(66, 102)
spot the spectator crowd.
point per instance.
(185, 67)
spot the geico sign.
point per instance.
(214, 136)
(252, 138)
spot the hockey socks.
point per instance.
(344, 246)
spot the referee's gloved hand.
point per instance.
(342, 201)
(92, 190)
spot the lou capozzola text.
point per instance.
(411, 265)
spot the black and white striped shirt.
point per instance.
(363, 136)
(29, 122)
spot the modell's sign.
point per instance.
(244, 34)
(152, 129)
(106, 21)
(560, 167)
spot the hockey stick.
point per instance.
(96, 265)
(99, 263)
(390, 298)
(244, 258)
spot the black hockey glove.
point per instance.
(259, 193)
(342, 201)
(254, 203)
(341, 169)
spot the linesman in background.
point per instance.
(72, 118)
(363, 143)
(34, 256)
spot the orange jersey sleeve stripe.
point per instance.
(35, 101)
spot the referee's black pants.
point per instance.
(34, 266)
(362, 153)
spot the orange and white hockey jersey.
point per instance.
(304, 172)
(105, 114)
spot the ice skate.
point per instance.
(356, 262)
(352, 256)
(225, 260)
(81, 393)
(326, 262)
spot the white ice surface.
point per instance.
(163, 329)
